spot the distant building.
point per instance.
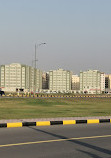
(108, 83)
(75, 82)
(19, 77)
(102, 82)
(92, 82)
(45, 80)
(60, 80)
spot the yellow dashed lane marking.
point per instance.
(56, 140)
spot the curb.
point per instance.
(49, 123)
(56, 96)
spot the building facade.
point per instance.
(45, 80)
(75, 82)
(108, 83)
(92, 82)
(19, 77)
(102, 82)
(60, 80)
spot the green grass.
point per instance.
(20, 108)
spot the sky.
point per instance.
(77, 34)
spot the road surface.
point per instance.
(69, 141)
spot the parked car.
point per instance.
(2, 93)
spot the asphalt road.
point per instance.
(69, 141)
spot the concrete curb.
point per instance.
(49, 123)
(55, 96)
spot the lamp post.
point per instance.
(36, 47)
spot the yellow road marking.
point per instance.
(56, 140)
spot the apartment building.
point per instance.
(75, 82)
(45, 80)
(92, 82)
(60, 80)
(19, 77)
(108, 83)
(102, 82)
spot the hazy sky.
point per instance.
(77, 33)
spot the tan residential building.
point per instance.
(75, 82)
(92, 82)
(102, 82)
(19, 77)
(60, 80)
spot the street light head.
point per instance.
(43, 43)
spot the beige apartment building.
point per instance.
(19, 77)
(92, 82)
(75, 82)
(60, 80)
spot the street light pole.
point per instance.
(36, 46)
(35, 56)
